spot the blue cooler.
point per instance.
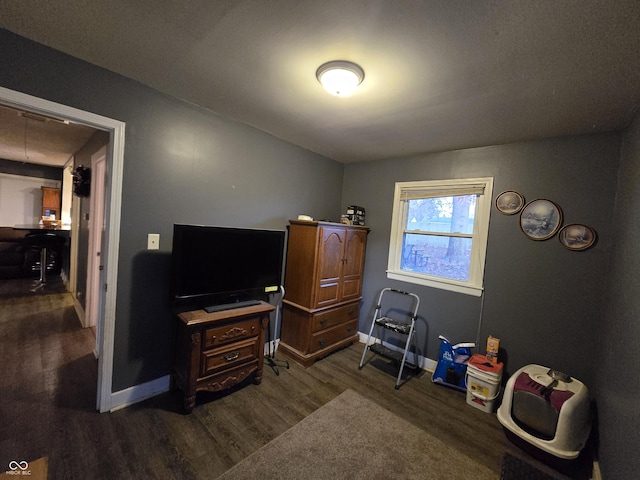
(452, 364)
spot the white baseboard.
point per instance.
(424, 362)
(79, 311)
(138, 393)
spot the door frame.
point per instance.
(113, 197)
(95, 282)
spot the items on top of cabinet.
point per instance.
(354, 216)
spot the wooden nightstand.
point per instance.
(215, 351)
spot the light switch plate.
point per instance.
(153, 241)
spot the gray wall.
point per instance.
(542, 300)
(618, 338)
(182, 165)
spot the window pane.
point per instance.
(442, 214)
(447, 257)
(439, 233)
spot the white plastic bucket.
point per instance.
(482, 388)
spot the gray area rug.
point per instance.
(353, 438)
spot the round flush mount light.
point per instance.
(340, 77)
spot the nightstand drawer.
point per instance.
(334, 316)
(214, 337)
(333, 335)
(236, 354)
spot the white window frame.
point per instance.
(480, 235)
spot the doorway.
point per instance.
(113, 162)
(96, 242)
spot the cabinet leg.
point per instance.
(189, 403)
(257, 377)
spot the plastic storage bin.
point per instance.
(483, 382)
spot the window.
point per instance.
(439, 233)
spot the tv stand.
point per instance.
(231, 306)
(215, 351)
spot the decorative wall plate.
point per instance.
(540, 219)
(509, 202)
(577, 236)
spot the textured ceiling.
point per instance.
(31, 138)
(439, 75)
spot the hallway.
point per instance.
(49, 372)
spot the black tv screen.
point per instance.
(214, 265)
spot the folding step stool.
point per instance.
(400, 327)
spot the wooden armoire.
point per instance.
(323, 289)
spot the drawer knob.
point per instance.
(323, 320)
(321, 341)
(351, 310)
(230, 357)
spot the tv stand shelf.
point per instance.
(215, 351)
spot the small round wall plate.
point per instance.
(509, 202)
(577, 236)
(540, 219)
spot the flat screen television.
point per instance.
(216, 268)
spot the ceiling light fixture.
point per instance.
(339, 77)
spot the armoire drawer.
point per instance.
(333, 335)
(335, 316)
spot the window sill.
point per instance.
(451, 286)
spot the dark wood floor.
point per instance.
(48, 396)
